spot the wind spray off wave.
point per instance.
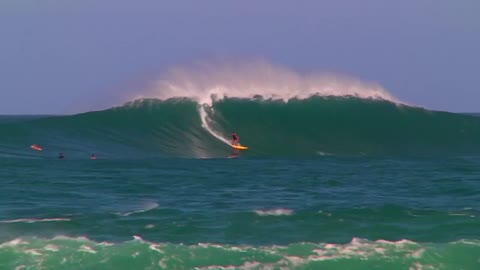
(208, 83)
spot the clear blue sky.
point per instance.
(59, 56)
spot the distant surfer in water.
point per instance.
(61, 156)
(93, 156)
(235, 139)
(36, 147)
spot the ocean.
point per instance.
(328, 182)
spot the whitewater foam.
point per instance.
(33, 252)
(51, 247)
(34, 220)
(246, 266)
(404, 253)
(85, 248)
(274, 212)
(12, 243)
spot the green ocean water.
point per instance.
(327, 183)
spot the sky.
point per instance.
(63, 57)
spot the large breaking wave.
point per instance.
(309, 127)
(276, 112)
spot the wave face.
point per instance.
(181, 127)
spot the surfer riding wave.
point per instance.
(235, 139)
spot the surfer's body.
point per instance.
(235, 139)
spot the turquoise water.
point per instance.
(163, 193)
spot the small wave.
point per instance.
(34, 220)
(274, 212)
(50, 247)
(246, 265)
(12, 243)
(85, 248)
(320, 153)
(75, 239)
(146, 207)
(33, 252)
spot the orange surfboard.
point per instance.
(239, 147)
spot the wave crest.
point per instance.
(207, 83)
